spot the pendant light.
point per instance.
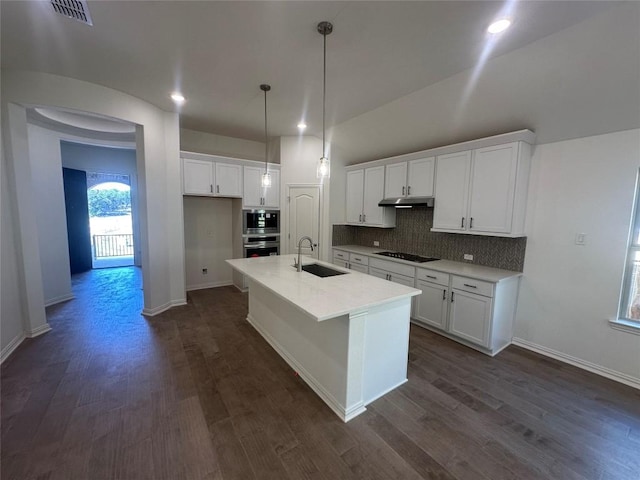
(324, 167)
(266, 176)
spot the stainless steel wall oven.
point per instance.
(261, 233)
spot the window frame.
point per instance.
(633, 247)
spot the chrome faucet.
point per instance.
(299, 264)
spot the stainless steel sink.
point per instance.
(321, 271)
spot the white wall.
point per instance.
(157, 140)
(200, 142)
(569, 292)
(47, 191)
(11, 314)
(208, 241)
(298, 165)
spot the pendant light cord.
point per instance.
(266, 148)
(324, 91)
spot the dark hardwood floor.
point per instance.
(196, 393)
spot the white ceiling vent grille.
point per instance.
(76, 9)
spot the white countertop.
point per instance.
(321, 298)
(478, 272)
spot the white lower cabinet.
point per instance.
(470, 317)
(432, 307)
(477, 313)
(394, 272)
(340, 258)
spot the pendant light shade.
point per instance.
(266, 176)
(324, 166)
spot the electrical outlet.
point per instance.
(205, 271)
(376, 243)
(468, 256)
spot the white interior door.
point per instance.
(304, 218)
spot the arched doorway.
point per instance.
(110, 220)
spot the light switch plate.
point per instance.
(581, 238)
(376, 243)
(468, 256)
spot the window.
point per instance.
(630, 299)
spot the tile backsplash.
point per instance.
(413, 234)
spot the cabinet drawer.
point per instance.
(473, 286)
(432, 276)
(393, 267)
(359, 268)
(342, 255)
(359, 259)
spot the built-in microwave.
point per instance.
(259, 222)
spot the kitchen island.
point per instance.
(347, 335)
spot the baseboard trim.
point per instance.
(60, 299)
(36, 332)
(203, 286)
(578, 362)
(152, 312)
(13, 344)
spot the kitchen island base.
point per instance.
(350, 360)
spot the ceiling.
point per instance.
(381, 55)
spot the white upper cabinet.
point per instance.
(203, 177)
(409, 179)
(257, 196)
(355, 196)
(197, 177)
(228, 180)
(483, 192)
(452, 181)
(365, 189)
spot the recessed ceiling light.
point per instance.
(177, 97)
(302, 126)
(499, 25)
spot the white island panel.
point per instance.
(348, 358)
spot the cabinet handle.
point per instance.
(409, 190)
(211, 188)
(470, 286)
(360, 217)
(462, 224)
(444, 294)
(402, 190)
(471, 223)
(217, 188)
(349, 266)
(364, 217)
(451, 297)
(431, 276)
(358, 259)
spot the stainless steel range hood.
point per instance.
(406, 202)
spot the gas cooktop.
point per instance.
(408, 256)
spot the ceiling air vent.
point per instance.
(76, 9)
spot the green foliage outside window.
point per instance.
(105, 203)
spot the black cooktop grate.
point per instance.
(408, 256)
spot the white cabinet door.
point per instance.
(402, 280)
(470, 317)
(271, 195)
(252, 196)
(372, 214)
(431, 306)
(420, 177)
(451, 191)
(355, 195)
(376, 272)
(493, 179)
(359, 268)
(197, 177)
(228, 180)
(395, 180)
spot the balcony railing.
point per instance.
(120, 245)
